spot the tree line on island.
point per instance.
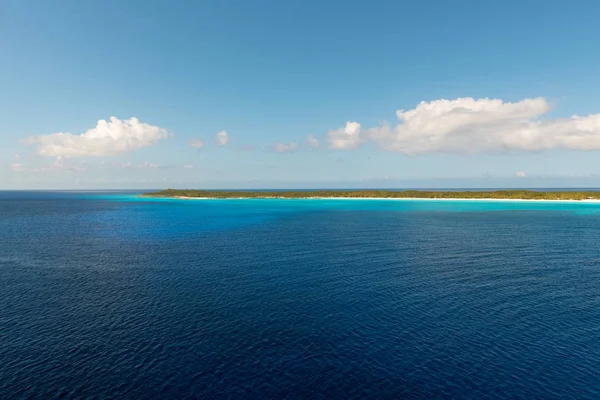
(387, 194)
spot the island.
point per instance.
(377, 194)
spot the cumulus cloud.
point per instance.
(313, 142)
(310, 142)
(59, 164)
(108, 138)
(222, 138)
(520, 174)
(143, 165)
(196, 143)
(188, 166)
(146, 165)
(283, 147)
(345, 138)
(469, 126)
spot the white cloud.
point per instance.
(469, 126)
(345, 138)
(196, 143)
(107, 138)
(278, 147)
(17, 167)
(188, 166)
(146, 165)
(312, 141)
(520, 174)
(59, 164)
(222, 138)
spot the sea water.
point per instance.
(111, 296)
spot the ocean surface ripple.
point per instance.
(107, 296)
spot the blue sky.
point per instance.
(500, 82)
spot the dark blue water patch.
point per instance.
(102, 299)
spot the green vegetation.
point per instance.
(403, 194)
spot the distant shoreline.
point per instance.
(382, 198)
(407, 195)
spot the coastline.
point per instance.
(588, 201)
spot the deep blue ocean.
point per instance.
(108, 296)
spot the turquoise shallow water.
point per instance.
(107, 295)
